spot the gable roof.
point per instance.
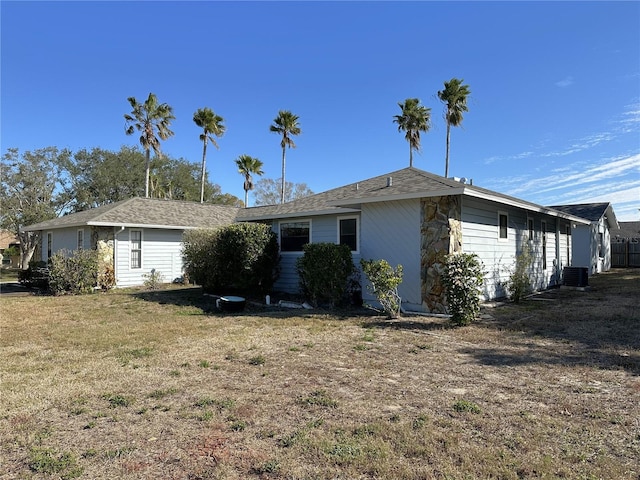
(146, 212)
(408, 183)
(591, 211)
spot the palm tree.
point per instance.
(454, 96)
(212, 126)
(285, 124)
(149, 118)
(246, 166)
(415, 118)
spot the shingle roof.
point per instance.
(147, 212)
(400, 184)
(591, 211)
(627, 230)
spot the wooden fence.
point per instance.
(625, 252)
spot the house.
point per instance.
(408, 217)
(8, 240)
(135, 235)
(592, 243)
(625, 245)
(412, 217)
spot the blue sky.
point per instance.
(554, 112)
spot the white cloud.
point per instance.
(567, 81)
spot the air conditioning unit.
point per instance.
(576, 276)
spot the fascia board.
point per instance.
(139, 225)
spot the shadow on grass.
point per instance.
(255, 307)
(413, 323)
(599, 327)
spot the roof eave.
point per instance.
(524, 205)
(305, 213)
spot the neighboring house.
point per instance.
(408, 217)
(625, 245)
(135, 235)
(412, 217)
(8, 239)
(592, 243)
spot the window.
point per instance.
(543, 227)
(293, 235)
(80, 239)
(348, 233)
(49, 243)
(530, 226)
(135, 240)
(502, 221)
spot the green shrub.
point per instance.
(153, 280)
(519, 283)
(463, 277)
(73, 272)
(242, 256)
(325, 270)
(383, 283)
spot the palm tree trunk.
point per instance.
(246, 198)
(204, 156)
(446, 162)
(146, 178)
(410, 155)
(282, 189)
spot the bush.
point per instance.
(153, 280)
(463, 277)
(519, 283)
(325, 270)
(383, 283)
(36, 275)
(242, 256)
(73, 272)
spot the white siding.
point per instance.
(391, 231)
(480, 233)
(324, 229)
(161, 250)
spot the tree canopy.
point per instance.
(267, 191)
(34, 187)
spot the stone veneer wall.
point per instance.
(441, 234)
(102, 239)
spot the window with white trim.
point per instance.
(348, 232)
(503, 223)
(294, 235)
(135, 242)
(80, 243)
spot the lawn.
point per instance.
(156, 385)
